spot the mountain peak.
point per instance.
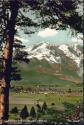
(54, 53)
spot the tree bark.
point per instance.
(7, 62)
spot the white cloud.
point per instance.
(47, 33)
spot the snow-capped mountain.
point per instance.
(76, 56)
(55, 54)
(59, 65)
(42, 51)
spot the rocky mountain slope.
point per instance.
(52, 65)
(55, 54)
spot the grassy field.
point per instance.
(38, 75)
(43, 73)
(60, 101)
(20, 99)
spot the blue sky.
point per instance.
(49, 35)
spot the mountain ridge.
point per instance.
(51, 66)
(53, 53)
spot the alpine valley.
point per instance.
(53, 65)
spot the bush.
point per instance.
(52, 104)
(69, 90)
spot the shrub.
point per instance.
(52, 104)
(69, 90)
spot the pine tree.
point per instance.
(14, 110)
(24, 113)
(19, 53)
(38, 108)
(39, 111)
(8, 39)
(44, 107)
(33, 112)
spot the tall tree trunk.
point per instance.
(7, 62)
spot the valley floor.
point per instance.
(59, 101)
